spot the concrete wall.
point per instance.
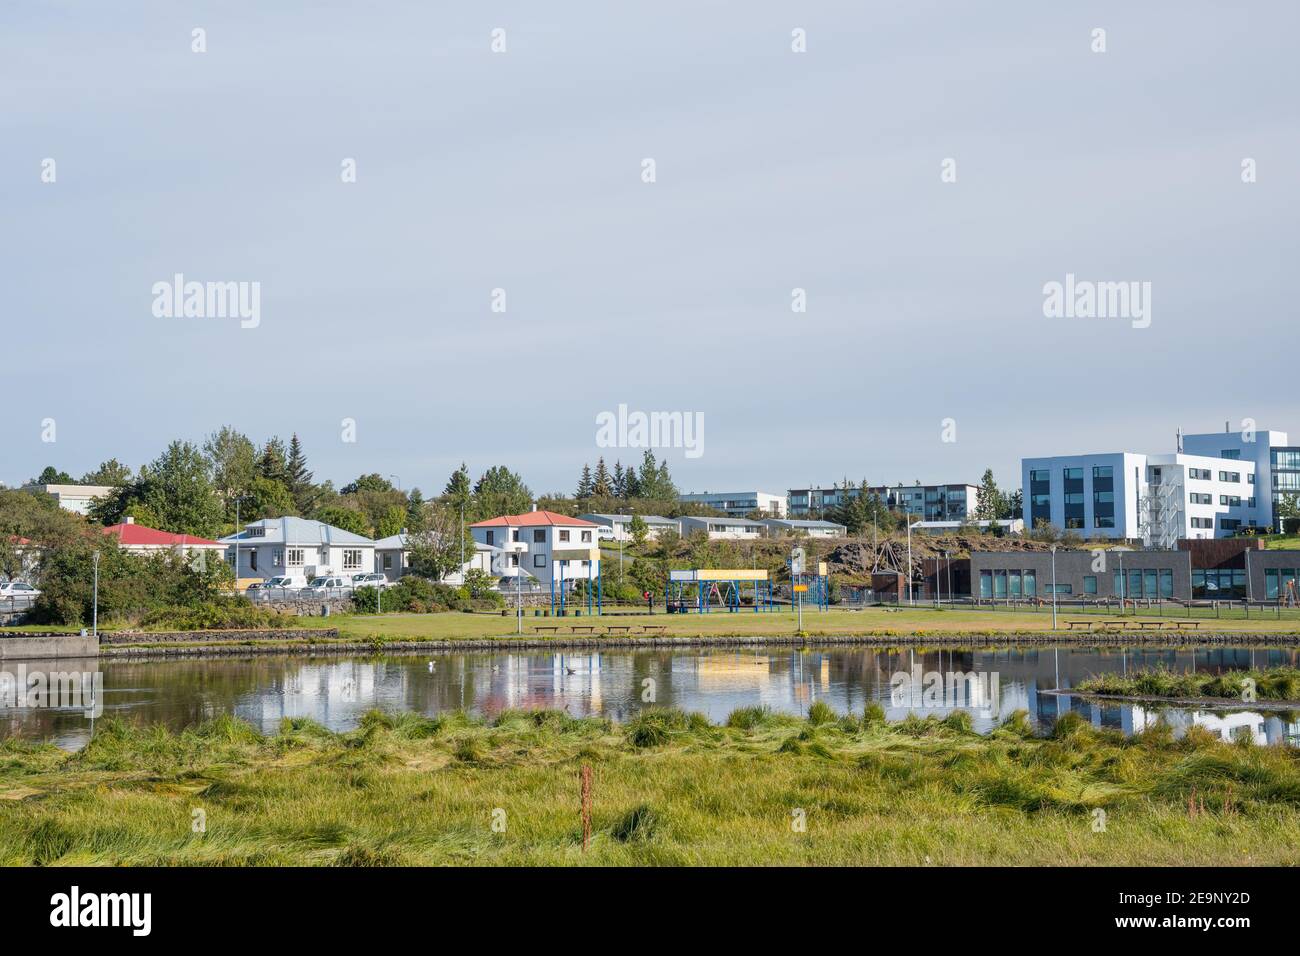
(1073, 566)
(25, 646)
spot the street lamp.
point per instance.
(909, 558)
(1054, 589)
(95, 608)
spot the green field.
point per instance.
(669, 788)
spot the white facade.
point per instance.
(273, 547)
(75, 498)
(724, 529)
(1155, 498)
(740, 503)
(776, 527)
(550, 547)
(621, 524)
(1257, 447)
(392, 560)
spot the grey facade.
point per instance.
(1026, 575)
(1269, 571)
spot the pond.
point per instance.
(989, 683)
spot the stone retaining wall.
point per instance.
(21, 645)
(199, 637)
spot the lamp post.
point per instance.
(1054, 589)
(238, 499)
(94, 614)
(909, 558)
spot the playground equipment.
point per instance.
(697, 589)
(593, 581)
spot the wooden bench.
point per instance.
(655, 628)
(546, 627)
(585, 628)
(621, 628)
(1087, 624)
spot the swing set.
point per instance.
(705, 589)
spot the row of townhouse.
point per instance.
(618, 527)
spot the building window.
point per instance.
(514, 534)
(539, 560)
(277, 558)
(1200, 474)
(564, 536)
(586, 537)
(388, 562)
(1202, 522)
(252, 560)
(539, 536)
(296, 557)
(1089, 584)
(1232, 477)
(491, 537)
(1197, 498)
(1229, 524)
(1232, 501)
(352, 559)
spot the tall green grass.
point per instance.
(668, 788)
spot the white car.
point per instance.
(20, 589)
(327, 586)
(373, 580)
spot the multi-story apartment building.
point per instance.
(543, 545)
(1155, 498)
(955, 502)
(740, 503)
(1277, 463)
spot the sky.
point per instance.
(826, 170)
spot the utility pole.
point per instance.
(1054, 594)
(909, 558)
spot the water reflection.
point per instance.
(987, 683)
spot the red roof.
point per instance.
(531, 519)
(140, 536)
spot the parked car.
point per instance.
(285, 582)
(509, 584)
(19, 589)
(372, 580)
(321, 587)
(255, 589)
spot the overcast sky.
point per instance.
(522, 170)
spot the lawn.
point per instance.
(668, 788)
(870, 621)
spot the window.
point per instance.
(1232, 454)
(1250, 479)
(388, 562)
(514, 534)
(1089, 584)
(539, 536)
(1200, 474)
(1229, 524)
(1202, 522)
(586, 537)
(1061, 589)
(1199, 499)
(539, 560)
(1074, 474)
(564, 536)
(1031, 583)
(252, 559)
(1102, 471)
(1232, 501)
(491, 537)
(1232, 477)
(986, 584)
(297, 557)
(277, 558)
(352, 559)
(1045, 475)
(1074, 522)
(1104, 521)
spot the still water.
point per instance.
(336, 691)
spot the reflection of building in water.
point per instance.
(1262, 728)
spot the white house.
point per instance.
(1008, 526)
(777, 527)
(553, 548)
(298, 546)
(392, 559)
(719, 529)
(622, 524)
(75, 498)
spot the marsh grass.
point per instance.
(1271, 684)
(669, 788)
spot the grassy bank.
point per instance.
(870, 621)
(1272, 684)
(669, 788)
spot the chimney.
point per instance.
(534, 506)
(128, 520)
(1226, 429)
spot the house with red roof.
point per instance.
(553, 549)
(138, 539)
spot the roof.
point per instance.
(73, 491)
(648, 519)
(714, 519)
(802, 523)
(138, 535)
(531, 519)
(296, 531)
